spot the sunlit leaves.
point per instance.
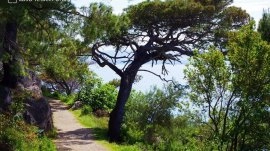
(249, 56)
(206, 73)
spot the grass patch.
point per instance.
(99, 127)
(52, 133)
(91, 120)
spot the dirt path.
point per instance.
(71, 135)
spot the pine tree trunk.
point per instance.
(116, 116)
(9, 79)
(127, 79)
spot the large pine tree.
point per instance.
(155, 31)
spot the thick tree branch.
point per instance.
(101, 61)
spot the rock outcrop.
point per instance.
(38, 110)
(12, 80)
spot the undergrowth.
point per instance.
(16, 135)
(99, 127)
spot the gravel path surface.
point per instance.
(71, 135)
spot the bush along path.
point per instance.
(71, 135)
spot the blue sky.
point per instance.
(253, 7)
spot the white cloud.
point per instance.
(253, 7)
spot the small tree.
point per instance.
(211, 91)
(97, 95)
(232, 92)
(154, 31)
(249, 57)
(264, 26)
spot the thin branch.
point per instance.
(111, 57)
(127, 63)
(159, 76)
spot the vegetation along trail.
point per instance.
(71, 135)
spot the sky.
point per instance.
(253, 7)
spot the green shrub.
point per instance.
(149, 119)
(56, 95)
(86, 110)
(69, 100)
(99, 96)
